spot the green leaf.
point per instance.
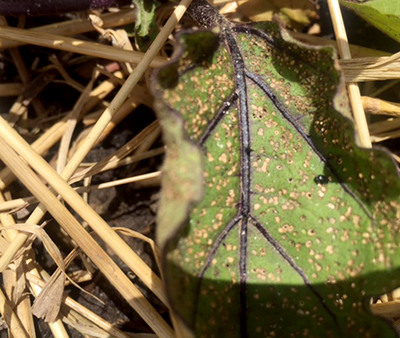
(273, 223)
(383, 14)
(145, 26)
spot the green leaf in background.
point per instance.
(273, 223)
(145, 26)
(383, 14)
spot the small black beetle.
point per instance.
(321, 179)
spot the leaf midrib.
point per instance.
(243, 215)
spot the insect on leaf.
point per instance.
(273, 223)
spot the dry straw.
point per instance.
(360, 121)
(77, 26)
(76, 46)
(11, 144)
(88, 245)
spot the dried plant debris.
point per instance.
(56, 82)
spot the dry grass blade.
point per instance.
(384, 126)
(385, 136)
(380, 107)
(71, 124)
(16, 204)
(87, 171)
(120, 247)
(360, 121)
(47, 305)
(8, 314)
(54, 134)
(76, 46)
(120, 281)
(41, 145)
(123, 111)
(135, 234)
(83, 209)
(110, 162)
(17, 110)
(384, 61)
(10, 89)
(384, 87)
(370, 69)
(14, 283)
(57, 327)
(389, 309)
(137, 75)
(127, 88)
(132, 260)
(70, 304)
(149, 179)
(78, 26)
(3, 244)
(68, 80)
(154, 179)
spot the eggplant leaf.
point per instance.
(272, 222)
